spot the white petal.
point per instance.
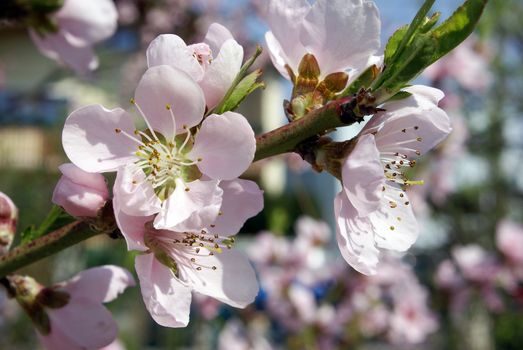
(101, 284)
(91, 141)
(355, 237)
(163, 85)
(216, 36)
(242, 199)
(278, 57)
(193, 209)
(411, 126)
(167, 299)
(134, 194)
(88, 21)
(221, 72)
(341, 34)
(86, 322)
(62, 48)
(131, 227)
(226, 145)
(171, 50)
(232, 282)
(395, 225)
(362, 175)
(285, 18)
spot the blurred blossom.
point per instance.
(8, 222)
(81, 24)
(328, 298)
(468, 64)
(80, 193)
(235, 336)
(127, 11)
(509, 240)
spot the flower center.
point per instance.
(203, 54)
(396, 164)
(180, 251)
(163, 161)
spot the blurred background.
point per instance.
(461, 287)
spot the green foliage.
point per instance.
(246, 86)
(56, 218)
(241, 87)
(410, 51)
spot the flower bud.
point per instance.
(80, 193)
(8, 221)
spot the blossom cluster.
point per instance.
(305, 290)
(474, 272)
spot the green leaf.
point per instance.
(427, 48)
(239, 79)
(418, 20)
(394, 43)
(246, 86)
(56, 218)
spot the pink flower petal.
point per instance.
(362, 175)
(88, 22)
(131, 227)
(163, 85)
(167, 300)
(285, 17)
(78, 200)
(221, 72)
(91, 142)
(395, 225)
(80, 193)
(232, 282)
(134, 193)
(92, 180)
(216, 36)
(341, 34)
(62, 48)
(411, 126)
(509, 239)
(278, 57)
(86, 322)
(242, 199)
(58, 340)
(226, 146)
(355, 237)
(171, 50)
(99, 284)
(193, 209)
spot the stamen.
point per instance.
(133, 102)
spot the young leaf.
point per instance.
(239, 78)
(427, 48)
(394, 43)
(56, 218)
(246, 86)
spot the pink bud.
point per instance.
(80, 193)
(8, 221)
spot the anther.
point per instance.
(117, 130)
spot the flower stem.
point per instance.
(45, 246)
(288, 137)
